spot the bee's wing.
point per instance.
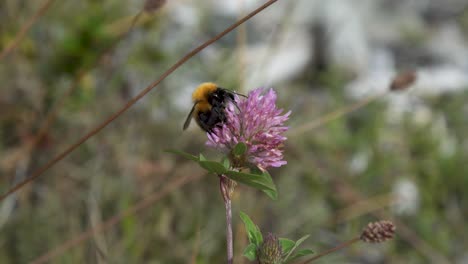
(189, 117)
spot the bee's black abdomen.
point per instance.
(209, 120)
(216, 116)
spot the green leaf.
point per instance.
(273, 194)
(297, 244)
(183, 154)
(255, 170)
(286, 245)
(213, 166)
(267, 176)
(301, 253)
(253, 232)
(250, 252)
(239, 149)
(262, 182)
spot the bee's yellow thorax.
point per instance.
(200, 94)
(203, 106)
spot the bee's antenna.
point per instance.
(235, 103)
(239, 94)
(233, 92)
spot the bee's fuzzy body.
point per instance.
(209, 106)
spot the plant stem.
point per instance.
(343, 245)
(226, 191)
(230, 250)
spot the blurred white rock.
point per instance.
(344, 22)
(406, 197)
(431, 81)
(359, 162)
(448, 42)
(269, 63)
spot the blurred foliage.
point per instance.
(362, 152)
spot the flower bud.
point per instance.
(270, 251)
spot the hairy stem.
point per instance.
(230, 250)
(226, 187)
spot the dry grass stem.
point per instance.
(335, 115)
(22, 33)
(140, 206)
(339, 247)
(132, 101)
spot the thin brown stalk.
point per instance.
(132, 101)
(364, 207)
(140, 206)
(401, 82)
(44, 127)
(341, 246)
(241, 42)
(335, 114)
(196, 247)
(26, 27)
(403, 231)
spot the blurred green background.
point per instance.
(403, 156)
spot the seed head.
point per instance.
(378, 232)
(403, 81)
(154, 5)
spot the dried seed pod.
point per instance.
(403, 81)
(154, 5)
(378, 232)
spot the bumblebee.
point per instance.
(209, 103)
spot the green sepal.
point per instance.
(239, 149)
(226, 163)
